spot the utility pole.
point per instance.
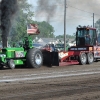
(93, 20)
(64, 25)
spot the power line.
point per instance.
(81, 18)
(80, 9)
(83, 10)
(81, 14)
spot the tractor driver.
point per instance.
(87, 39)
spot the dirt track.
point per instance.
(57, 83)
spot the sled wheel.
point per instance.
(11, 64)
(34, 58)
(82, 59)
(90, 58)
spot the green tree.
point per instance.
(46, 30)
(24, 16)
(67, 36)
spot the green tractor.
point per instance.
(25, 55)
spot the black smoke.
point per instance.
(46, 8)
(8, 10)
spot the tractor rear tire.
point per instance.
(34, 58)
(11, 64)
(82, 59)
(90, 58)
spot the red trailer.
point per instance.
(87, 50)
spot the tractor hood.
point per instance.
(13, 52)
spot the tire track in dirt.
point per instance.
(53, 90)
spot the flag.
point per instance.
(32, 29)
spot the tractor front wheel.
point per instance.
(11, 64)
(34, 58)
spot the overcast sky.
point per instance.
(78, 12)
